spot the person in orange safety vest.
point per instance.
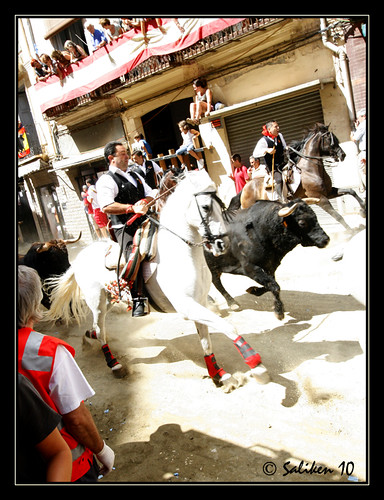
(48, 362)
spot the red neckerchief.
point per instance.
(267, 133)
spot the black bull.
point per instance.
(260, 237)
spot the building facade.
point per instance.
(297, 71)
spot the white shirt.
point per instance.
(92, 196)
(68, 387)
(155, 166)
(359, 136)
(262, 146)
(107, 189)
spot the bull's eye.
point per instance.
(302, 223)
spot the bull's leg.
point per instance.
(269, 285)
(218, 284)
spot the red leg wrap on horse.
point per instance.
(250, 356)
(109, 357)
(213, 368)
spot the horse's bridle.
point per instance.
(308, 157)
(209, 237)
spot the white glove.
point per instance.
(107, 458)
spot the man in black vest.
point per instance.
(271, 147)
(148, 169)
(121, 194)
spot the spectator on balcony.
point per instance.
(76, 52)
(141, 22)
(62, 60)
(41, 70)
(53, 67)
(98, 37)
(113, 30)
(188, 134)
(203, 102)
(141, 144)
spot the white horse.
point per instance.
(177, 280)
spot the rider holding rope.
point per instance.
(122, 193)
(272, 146)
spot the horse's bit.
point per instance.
(209, 237)
(308, 157)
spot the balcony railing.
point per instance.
(158, 64)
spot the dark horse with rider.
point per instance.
(297, 170)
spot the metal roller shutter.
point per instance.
(294, 115)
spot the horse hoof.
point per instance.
(229, 384)
(119, 371)
(260, 374)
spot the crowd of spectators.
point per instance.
(106, 31)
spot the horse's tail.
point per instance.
(66, 298)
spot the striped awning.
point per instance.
(122, 55)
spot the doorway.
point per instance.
(52, 211)
(160, 126)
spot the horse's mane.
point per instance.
(309, 132)
(167, 184)
(191, 182)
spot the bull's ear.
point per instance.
(311, 201)
(285, 211)
(249, 226)
(43, 248)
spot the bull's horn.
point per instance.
(311, 201)
(285, 211)
(68, 242)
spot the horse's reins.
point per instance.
(129, 222)
(308, 157)
(209, 237)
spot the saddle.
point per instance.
(269, 183)
(144, 247)
(291, 177)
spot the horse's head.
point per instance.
(329, 145)
(206, 213)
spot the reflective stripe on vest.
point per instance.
(36, 354)
(31, 359)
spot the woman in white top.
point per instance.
(188, 134)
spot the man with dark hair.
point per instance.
(122, 194)
(148, 169)
(239, 172)
(271, 147)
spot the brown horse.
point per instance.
(315, 182)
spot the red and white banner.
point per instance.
(122, 55)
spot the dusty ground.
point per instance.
(167, 422)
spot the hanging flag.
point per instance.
(22, 142)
